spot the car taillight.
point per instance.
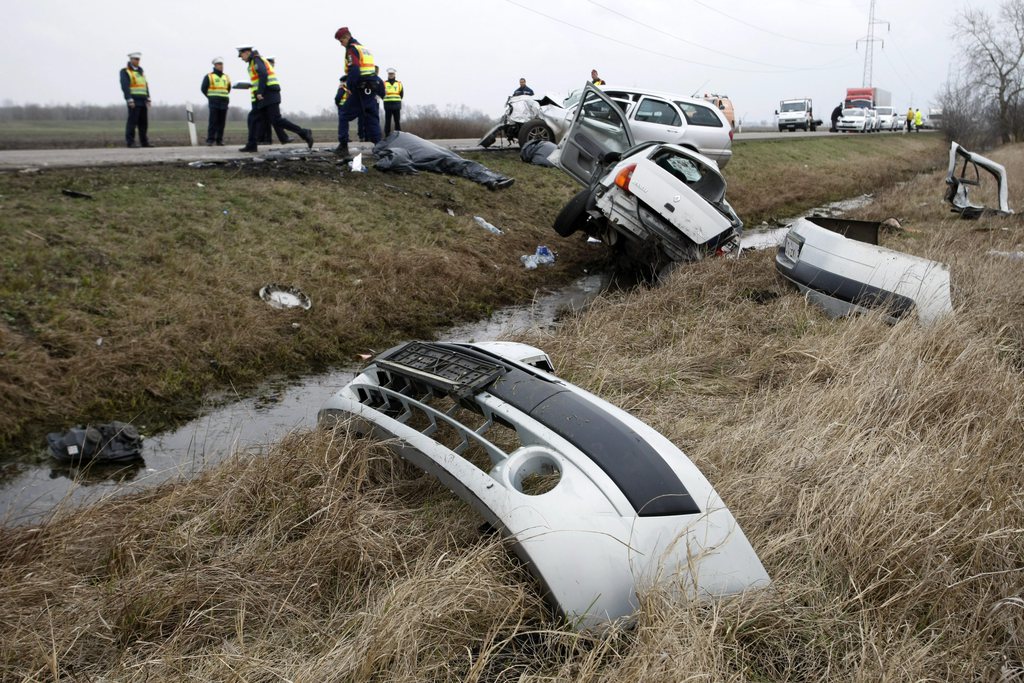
(730, 135)
(625, 175)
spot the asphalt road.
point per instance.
(20, 160)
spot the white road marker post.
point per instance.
(190, 115)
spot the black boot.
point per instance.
(247, 148)
(307, 136)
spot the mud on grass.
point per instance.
(136, 303)
(875, 469)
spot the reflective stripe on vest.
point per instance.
(137, 86)
(218, 85)
(254, 76)
(599, 82)
(365, 60)
(392, 91)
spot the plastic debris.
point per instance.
(356, 165)
(284, 296)
(450, 212)
(115, 442)
(487, 226)
(75, 194)
(543, 256)
(1011, 255)
(200, 185)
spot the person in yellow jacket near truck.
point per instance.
(918, 120)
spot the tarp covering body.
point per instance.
(407, 153)
(537, 152)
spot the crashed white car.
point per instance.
(653, 203)
(529, 117)
(969, 175)
(598, 505)
(652, 117)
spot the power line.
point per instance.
(759, 28)
(662, 54)
(683, 40)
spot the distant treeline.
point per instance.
(100, 112)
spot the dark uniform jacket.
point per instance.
(271, 93)
(525, 90)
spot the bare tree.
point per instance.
(994, 49)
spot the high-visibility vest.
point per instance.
(918, 118)
(218, 85)
(137, 86)
(599, 81)
(910, 115)
(392, 91)
(254, 76)
(365, 60)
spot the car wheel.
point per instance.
(488, 140)
(573, 215)
(534, 129)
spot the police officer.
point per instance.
(217, 88)
(136, 94)
(918, 120)
(361, 101)
(279, 131)
(394, 93)
(265, 92)
(595, 79)
(910, 118)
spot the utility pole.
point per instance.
(869, 40)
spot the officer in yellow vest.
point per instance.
(217, 88)
(595, 79)
(394, 93)
(910, 118)
(918, 120)
(362, 102)
(136, 95)
(265, 91)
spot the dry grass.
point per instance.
(155, 268)
(875, 468)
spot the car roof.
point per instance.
(700, 101)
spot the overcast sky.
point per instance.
(472, 52)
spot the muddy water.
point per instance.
(30, 493)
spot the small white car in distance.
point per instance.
(854, 120)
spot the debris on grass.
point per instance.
(75, 194)
(543, 256)
(285, 296)
(487, 226)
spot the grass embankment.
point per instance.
(875, 469)
(154, 268)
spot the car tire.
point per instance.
(534, 129)
(573, 215)
(488, 140)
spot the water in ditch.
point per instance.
(31, 492)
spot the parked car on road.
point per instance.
(888, 119)
(655, 204)
(854, 120)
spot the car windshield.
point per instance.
(884, 111)
(853, 112)
(573, 98)
(793, 106)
